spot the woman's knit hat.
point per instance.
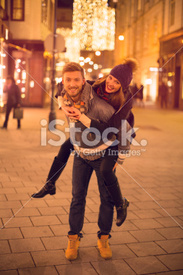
(124, 72)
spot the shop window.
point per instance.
(3, 4)
(17, 10)
(3, 10)
(172, 12)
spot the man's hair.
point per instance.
(72, 67)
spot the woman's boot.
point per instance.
(120, 203)
(49, 188)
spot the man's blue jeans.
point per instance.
(82, 171)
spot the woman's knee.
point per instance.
(105, 172)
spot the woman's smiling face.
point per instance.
(112, 85)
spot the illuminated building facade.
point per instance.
(152, 32)
(29, 22)
(171, 52)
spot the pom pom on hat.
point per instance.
(124, 72)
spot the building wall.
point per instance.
(29, 36)
(171, 54)
(178, 23)
(142, 27)
(143, 23)
(31, 28)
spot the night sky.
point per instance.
(69, 3)
(65, 3)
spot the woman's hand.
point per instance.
(67, 110)
(76, 114)
(71, 112)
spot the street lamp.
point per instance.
(52, 114)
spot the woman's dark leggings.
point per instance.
(60, 161)
(108, 162)
(65, 151)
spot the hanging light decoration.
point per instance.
(72, 44)
(94, 24)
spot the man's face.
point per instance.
(73, 83)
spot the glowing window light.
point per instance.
(58, 80)
(97, 53)
(91, 63)
(22, 95)
(32, 84)
(2, 54)
(23, 89)
(18, 70)
(82, 63)
(169, 83)
(100, 75)
(18, 60)
(18, 81)
(81, 58)
(170, 74)
(95, 66)
(23, 74)
(88, 59)
(153, 69)
(121, 37)
(6, 34)
(148, 81)
(90, 70)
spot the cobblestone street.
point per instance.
(34, 236)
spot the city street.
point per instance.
(33, 234)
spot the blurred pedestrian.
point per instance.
(13, 99)
(134, 91)
(141, 96)
(163, 91)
